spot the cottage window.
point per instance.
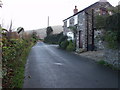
(76, 19)
(68, 23)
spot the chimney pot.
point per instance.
(75, 10)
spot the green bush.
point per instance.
(64, 44)
(34, 37)
(71, 46)
(111, 38)
(53, 39)
(62, 38)
(102, 62)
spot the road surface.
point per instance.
(50, 67)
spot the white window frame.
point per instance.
(75, 19)
(68, 23)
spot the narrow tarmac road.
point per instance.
(50, 67)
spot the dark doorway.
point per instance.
(80, 40)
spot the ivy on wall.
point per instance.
(111, 25)
(111, 39)
(112, 28)
(100, 21)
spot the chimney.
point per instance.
(75, 10)
(103, 1)
(119, 3)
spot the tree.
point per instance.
(113, 29)
(113, 22)
(49, 30)
(100, 21)
(115, 9)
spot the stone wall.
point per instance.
(112, 56)
(99, 43)
(81, 27)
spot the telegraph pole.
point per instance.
(48, 21)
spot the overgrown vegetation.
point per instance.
(65, 44)
(34, 37)
(61, 40)
(14, 55)
(100, 21)
(71, 46)
(53, 39)
(113, 31)
(111, 25)
(112, 39)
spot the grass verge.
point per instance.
(102, 62)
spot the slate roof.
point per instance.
(85, 9)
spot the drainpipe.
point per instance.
(87, 29)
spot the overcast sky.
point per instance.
(33, 14)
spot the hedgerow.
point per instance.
(14, 56)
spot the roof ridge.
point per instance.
(86, 8)
(81, 10)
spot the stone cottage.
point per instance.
(83, 21)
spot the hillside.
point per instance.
(42, 32)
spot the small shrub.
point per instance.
(102, 62)
(71, 46)
(112, 39)
(64, 44)
(62, 38)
